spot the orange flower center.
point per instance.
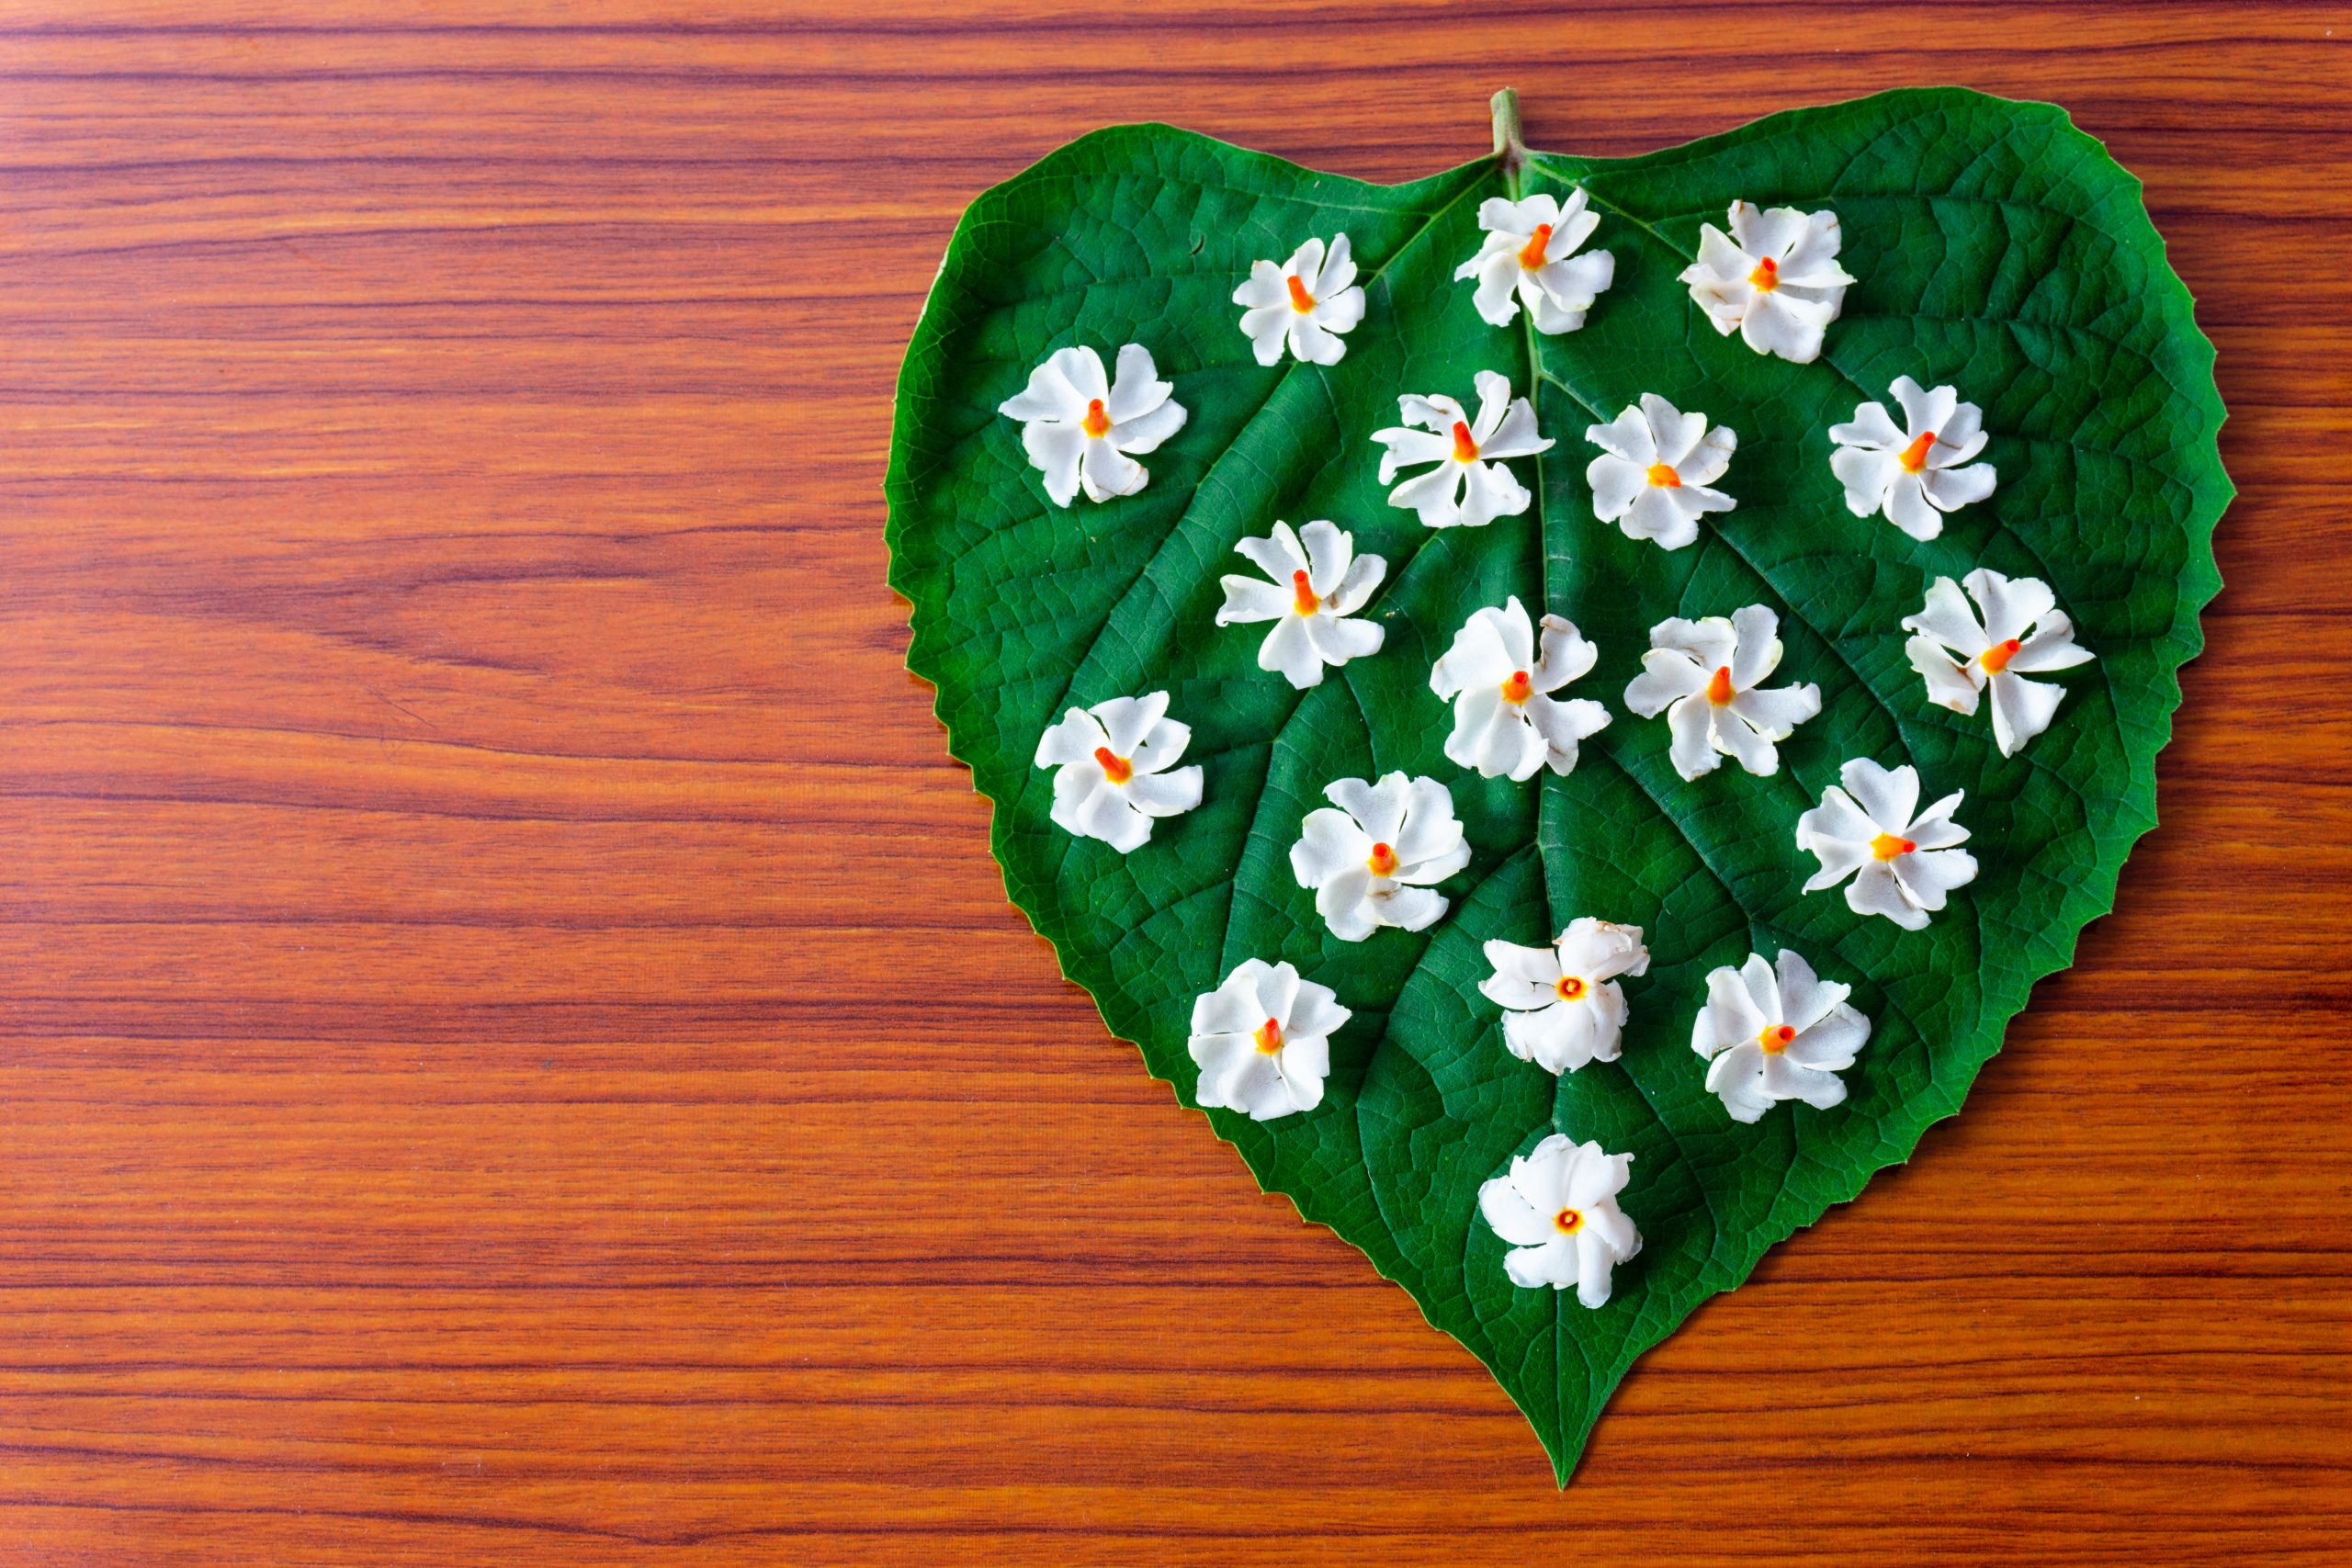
(1531, 255)
(1268, 1037)
(1383, 861)
(1660, 474)
(1300, 300)
(1118, 770)
(1766, 276)
(1571, 987)
(1465, 449)
(1519, 688)
(1719, 686)
(1308, 602)
(1914, 457)
(1887, 846)
(1567, 1222)
(1776, 1039)
(1997, 658)
(1096, 421)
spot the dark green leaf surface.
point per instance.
(1998, 249)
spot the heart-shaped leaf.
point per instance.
(1993, 248)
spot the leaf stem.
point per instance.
(1507, 145)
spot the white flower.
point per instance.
(1774, 279)
(1703, 676)
(1907, 863)
(1079, 431)
(1306, 302)
(1262, 1041)
(1113, 759)
(1559, 1209)
(2023, 633)
(1531, 255)
(1769, 1039)
(1469, 488)
(1567, 1007)
(1317, 581)
(1657, 462)
(1915, 474)
(1504, 720)
(1373, 862)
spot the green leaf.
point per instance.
(1998, 249)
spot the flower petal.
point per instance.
(1561, 723)
(2021, 709)
(1947, 617)
(1776, 712)
(1907, 507)
(1627, 436)
(1950, 489)
(1691, 732)
(1929, 874)
(1165, 795)
(1329, 842)
(1758, 636)
(1378, 806)
(1615, 483)
(1875, 891)
(1867, 473)
(1512, 1217)
(1599, 950)
(1289, 651)
(1667, 674)
(1340, 638)
(1137, 388)
(1736, 1077)
(1251, 599)
(1489, 490)
(1054, 450)
(1887, 796)
(1109, 815)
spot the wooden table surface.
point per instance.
(515, 1048)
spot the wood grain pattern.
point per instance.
(513, 1046)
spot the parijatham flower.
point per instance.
(1918, 472)
(2022, 633)
(1774, 279)
(1262, 1041)
(1079, 430)
(1557, 1207)
(1529, 256)
(1305, 303)
(1505, 720)
(1902, 865)
(1655, 464)
(1469, 486)
(1113, 759)
(1373, 861)
(1704, 676)
(1317, 582)
(1766, 1038)
(1565, 1006)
